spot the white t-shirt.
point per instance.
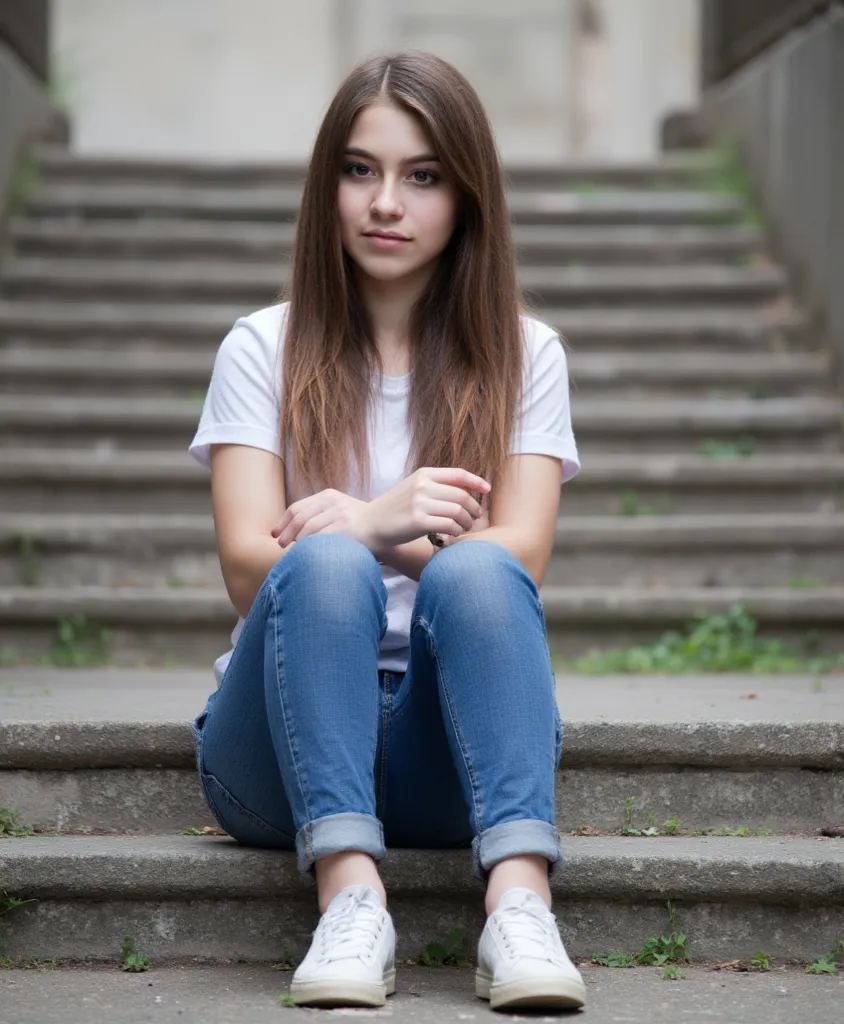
(243, 406)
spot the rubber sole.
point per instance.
(343, 991)
(541, 992)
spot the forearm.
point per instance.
(245, 572)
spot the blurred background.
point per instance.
(674, 177)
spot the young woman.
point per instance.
(386, 450)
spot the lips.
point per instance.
(387, 234)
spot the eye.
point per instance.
(355, 167)
(434, 178)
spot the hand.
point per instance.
(431, 500)
(328, 511)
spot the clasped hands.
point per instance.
(430, 500)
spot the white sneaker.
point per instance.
(352, 959)
(521, 957)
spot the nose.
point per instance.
(386, 202)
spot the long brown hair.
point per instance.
(467, 342)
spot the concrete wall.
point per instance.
(786, 109)
(26, 113)
(250, 79)
(218, 79)
(637, 61)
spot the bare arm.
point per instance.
(247, 494)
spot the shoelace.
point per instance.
(527, 928)
(350, 927)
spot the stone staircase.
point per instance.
(713, 474)
(685, 349)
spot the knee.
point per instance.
(332, 558)
(483, 572)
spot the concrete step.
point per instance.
(58, 164)
(541, 244)
(609, 484)
(280, 204)
(249, 993)
(601, 424)
(184, 281)
(154, 626)
(157, 327)
(207, 896)
(63, 371)
(801, 550)
(107, 750)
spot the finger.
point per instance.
(281, 525)
(463, 478)
(454, 513)
(315, 524)
(464, 498)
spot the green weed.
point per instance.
(613, 959)
(631, 505)
(8, 903)
(79, 643)
(671, 973)
(761, 962)
(287, 963)
(440, 954)
(728, 175)
(826, 964)
(27, 565)
(286, 999)
(724, 831)
(805, 583)
(741, 448)
(671, 826)
(23, 182)
(132, 962)
(717, 642)
(9, 825)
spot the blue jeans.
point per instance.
(306, 746)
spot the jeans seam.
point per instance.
(467, 764)
(385, 738)
(285, 717)
(237, 808)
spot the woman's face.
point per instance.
(391, 181)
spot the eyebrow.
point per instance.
(421, 159)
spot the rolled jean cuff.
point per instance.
(336, 833)
(516, 839)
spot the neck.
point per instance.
(389, 304)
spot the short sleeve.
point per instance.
(242, 405)
(545, 426)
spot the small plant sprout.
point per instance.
(440, 954)
(10, 826)
(8, 902)
(763, 832)
(761, 962)
(739, 449)
(133, 962)
(826, 964)
(286, 963)
(613, 959)
(671, 826)
(286, 999)
(671, 973)
(627, 828)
